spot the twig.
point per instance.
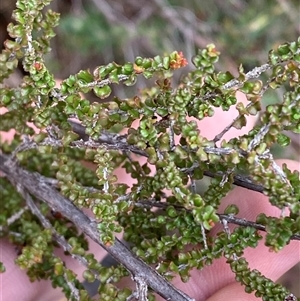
(193, 188)
(47, 225)
(227, 231)
(238, 180)
(290, 297)
(228, 217)
(14, 217)
(59, 239)
(171, 135)
(254, 73)
(74, 290)
(219, 136)
(118, 142)
(259, 137)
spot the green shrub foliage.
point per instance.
(44, 170)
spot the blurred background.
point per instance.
(97, 32)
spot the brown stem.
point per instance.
(116, 141)
(228, 217)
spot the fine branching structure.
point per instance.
(59, 188)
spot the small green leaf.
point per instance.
(232, 209)
(85, 76)
(240, 122)
(102, 92)
(69, 137)
(127, 69)
(88, 276)
(283, 140)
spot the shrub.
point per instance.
(58, 130)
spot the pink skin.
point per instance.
(213, 283)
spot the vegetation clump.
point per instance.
(58, 130)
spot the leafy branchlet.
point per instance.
(53, 158)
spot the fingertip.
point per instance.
(291, 164)
(232, 292)
(15, 283)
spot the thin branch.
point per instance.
(14, 217)
(47, 225)
(172, 135)
(74, 290)
(227, 231)
(58, 238)
(259, 137)
(35, 186)
(239, 180)
(228, 217)
(116, 141)
(119, 142)
(193, 188)
(97, 83)
(254, 73)
(290, 297)
(245, 223)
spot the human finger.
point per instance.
(15, 284)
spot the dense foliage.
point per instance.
(44, 169)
